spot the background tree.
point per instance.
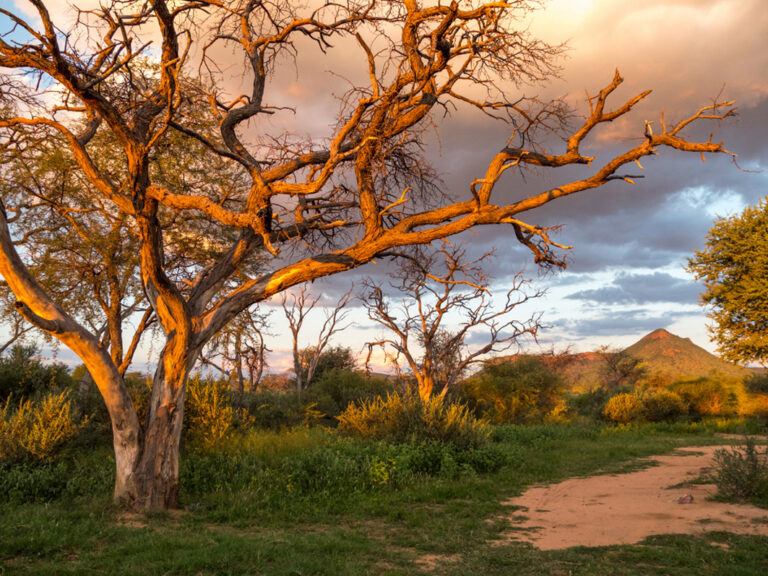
(734, 268)
(306, 361)
(435, 284)
(324, 205)
(619, 368)
(238, 348)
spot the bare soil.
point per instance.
(627, 508)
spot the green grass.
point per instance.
(310, 503)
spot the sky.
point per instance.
(626, 274)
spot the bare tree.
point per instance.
(305, 361)
(433, 285)
(238, 347)
(326, 205)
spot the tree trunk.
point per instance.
(152, 481)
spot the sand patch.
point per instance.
(627, 508)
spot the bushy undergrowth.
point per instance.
(36, 430)
(519, 391)
(741, 473)
(406, 418)
(335, 389)
(210, 416)
(663, 406)
(624, 409)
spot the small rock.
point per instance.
(687, 499)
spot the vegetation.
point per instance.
(518, 391)
(36, 430)
(306, 501)
(741, 473)
(733, 267)
(625, 408)
(409, 418)
(142, 163)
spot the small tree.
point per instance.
(619, 368)
(305, 361)
(434, 284)
(240, 347)
(734, 269)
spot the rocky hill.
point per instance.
(672, 357)
(665, 357)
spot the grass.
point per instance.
(242, 517)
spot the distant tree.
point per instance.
(433, 288)
(238, 348)
(619, 368)
(734, 270)
(340, 358)
(520, 389)
(305, 361)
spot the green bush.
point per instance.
(22, 375)
(335, 389)
(741, 473)
(589, 404)
(210, 416)
(663, 405)
(518, 391)
(706, 397)
(624, 409)
(272, 409)
(36, 430)
(405, 418)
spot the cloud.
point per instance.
(629, 288)
(634, 321)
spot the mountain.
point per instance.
(665, 357)
(673, 358)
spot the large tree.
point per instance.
(133, 71)
(734, 269)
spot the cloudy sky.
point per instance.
(625, 275)
(630, 243)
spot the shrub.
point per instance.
(406, 418)
(335, 389)
(757, 383)
(23, 375)
(272, 409)
(590, 404)
(522, 390)
(36, 430)
(624, 409)
(663, 405)
(210, 415)
(706, 397)
(741, 473)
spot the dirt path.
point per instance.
(626, 508)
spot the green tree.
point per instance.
(734, 270)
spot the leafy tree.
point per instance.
(518, 390)
(734, 269)
(324, 205)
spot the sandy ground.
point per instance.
(627, 508)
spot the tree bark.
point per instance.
(153, 481)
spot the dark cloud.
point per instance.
(629, 289)
(634, 321)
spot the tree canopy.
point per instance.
(734, 269)
(218, 208)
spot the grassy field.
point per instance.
(307, 502)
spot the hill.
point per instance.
(673, 358)
(665, 356)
